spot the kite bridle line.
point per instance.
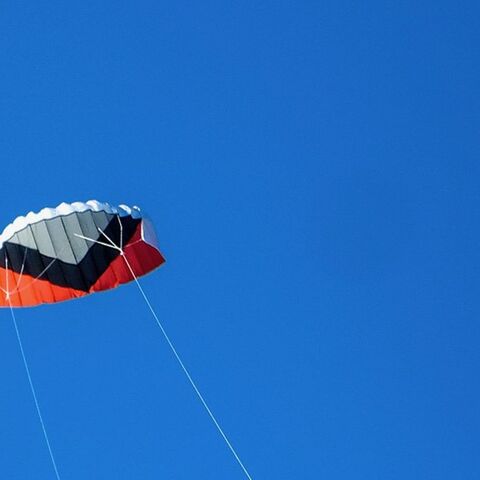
(27, 369)
(8, 293)
(120, 249)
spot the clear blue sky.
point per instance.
(313, 172)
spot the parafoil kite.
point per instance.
(73, 250)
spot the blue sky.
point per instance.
(312, 170)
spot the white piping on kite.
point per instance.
(66, 209)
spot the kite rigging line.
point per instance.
(112, 244)
(182, 365)
(27, 369)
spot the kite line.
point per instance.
(27, 369)
(113, 245)
(177, 356)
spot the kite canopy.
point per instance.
(73, 250)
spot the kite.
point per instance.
(74, 250)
